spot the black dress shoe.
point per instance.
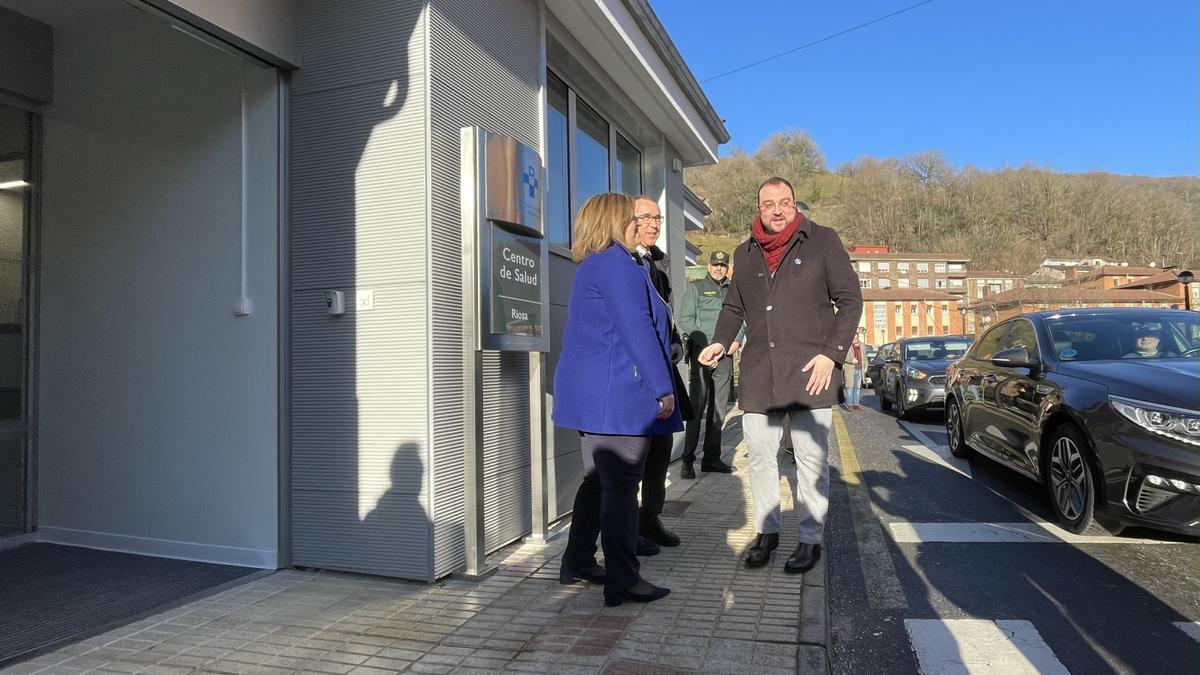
(686, 472)
(652, 528)
(716, 467)
(803, 559)
(647, 547)
(568, 575)
(657, 593)
(760, 552)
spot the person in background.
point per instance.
(852, 375)
(653, 533)
(709, 387)
(612, 384)
(801, 303)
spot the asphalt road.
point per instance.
(938, 565)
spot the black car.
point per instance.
(1102, 406)
(914, 373)
(875, 365)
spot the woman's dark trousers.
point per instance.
(606, 506)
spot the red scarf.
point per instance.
(775, 244)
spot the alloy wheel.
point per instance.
(1067, 480)
(953, 427)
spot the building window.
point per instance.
(945, 307)
(939, 283)
(883, 267)
(957, 267)
(912, 309)
(864, 266)
(880, 315)
(955, 283)
(885, 283)
(922, 267)
(902, 267)
(898, 309)
(864, 283)
(903, 283)
(591, 152)
(558, 177)
(922, 283)
(939, 268)
(629, 167)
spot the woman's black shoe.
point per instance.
(803, 559)
(760, 552)
(569, 575)
(656, 593)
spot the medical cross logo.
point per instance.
(529, 178)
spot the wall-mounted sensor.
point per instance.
(335, 302)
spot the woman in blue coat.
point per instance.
(614, 385)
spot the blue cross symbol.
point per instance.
(530, 178)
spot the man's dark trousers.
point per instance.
(710, 396)
(654, 477)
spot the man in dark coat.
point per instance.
(654, 476)
(800, 300)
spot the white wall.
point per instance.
(158, 407)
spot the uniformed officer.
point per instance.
(709, 387)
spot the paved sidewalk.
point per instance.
(719, 618)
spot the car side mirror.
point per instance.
(1015, 357)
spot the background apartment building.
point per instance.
(880, 269)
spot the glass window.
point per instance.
(939, 268)
(885, 283)
(903, 283)
(558, 183)
(629, 168)
(864, 283)
(883, 267)
(939, 283)
(902, 267)
(954, 283)
(864, 266)
(1022, 335)
(922, 267)
(990, 342)
(880, 314)
(957, 267)
(591, 152)
(912, 309)
(922, 283)
(15, 135)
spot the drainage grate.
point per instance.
(675, 509)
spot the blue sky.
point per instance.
(1070, 85)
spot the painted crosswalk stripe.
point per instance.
(981, 646)
(941, 455)
(1192, 628)
(1001, 533)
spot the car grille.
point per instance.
(938, 380)
(1151, 497)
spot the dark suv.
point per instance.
(1102, 406)
(914, 374)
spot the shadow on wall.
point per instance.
(352, 196)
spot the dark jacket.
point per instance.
(662, 284)
(790, 318)
(616, 355)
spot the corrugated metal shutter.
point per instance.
(359, 385)
(484, 71)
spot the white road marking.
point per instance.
(958, 646)
(941, 455)
(1192, 628)
(996, 533)
(921, 431)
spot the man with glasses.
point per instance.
(654, 476)
(800, 300)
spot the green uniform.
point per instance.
(700, 308)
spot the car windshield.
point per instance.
(935, 350)
(1140, 335)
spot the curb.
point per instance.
(815, 634)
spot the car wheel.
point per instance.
(885, 403)
(956, 431)
(1071, 481)
(901, 409)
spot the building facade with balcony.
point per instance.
(894, 313)
(883, 270)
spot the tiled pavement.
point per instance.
(719, 618)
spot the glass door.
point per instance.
(15, 209)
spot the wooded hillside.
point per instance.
(1009, 219)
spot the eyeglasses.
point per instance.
(784, 204)
(646, 218)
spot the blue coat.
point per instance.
(616, 357)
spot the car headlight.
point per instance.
(914, 373)
(1178, 423)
